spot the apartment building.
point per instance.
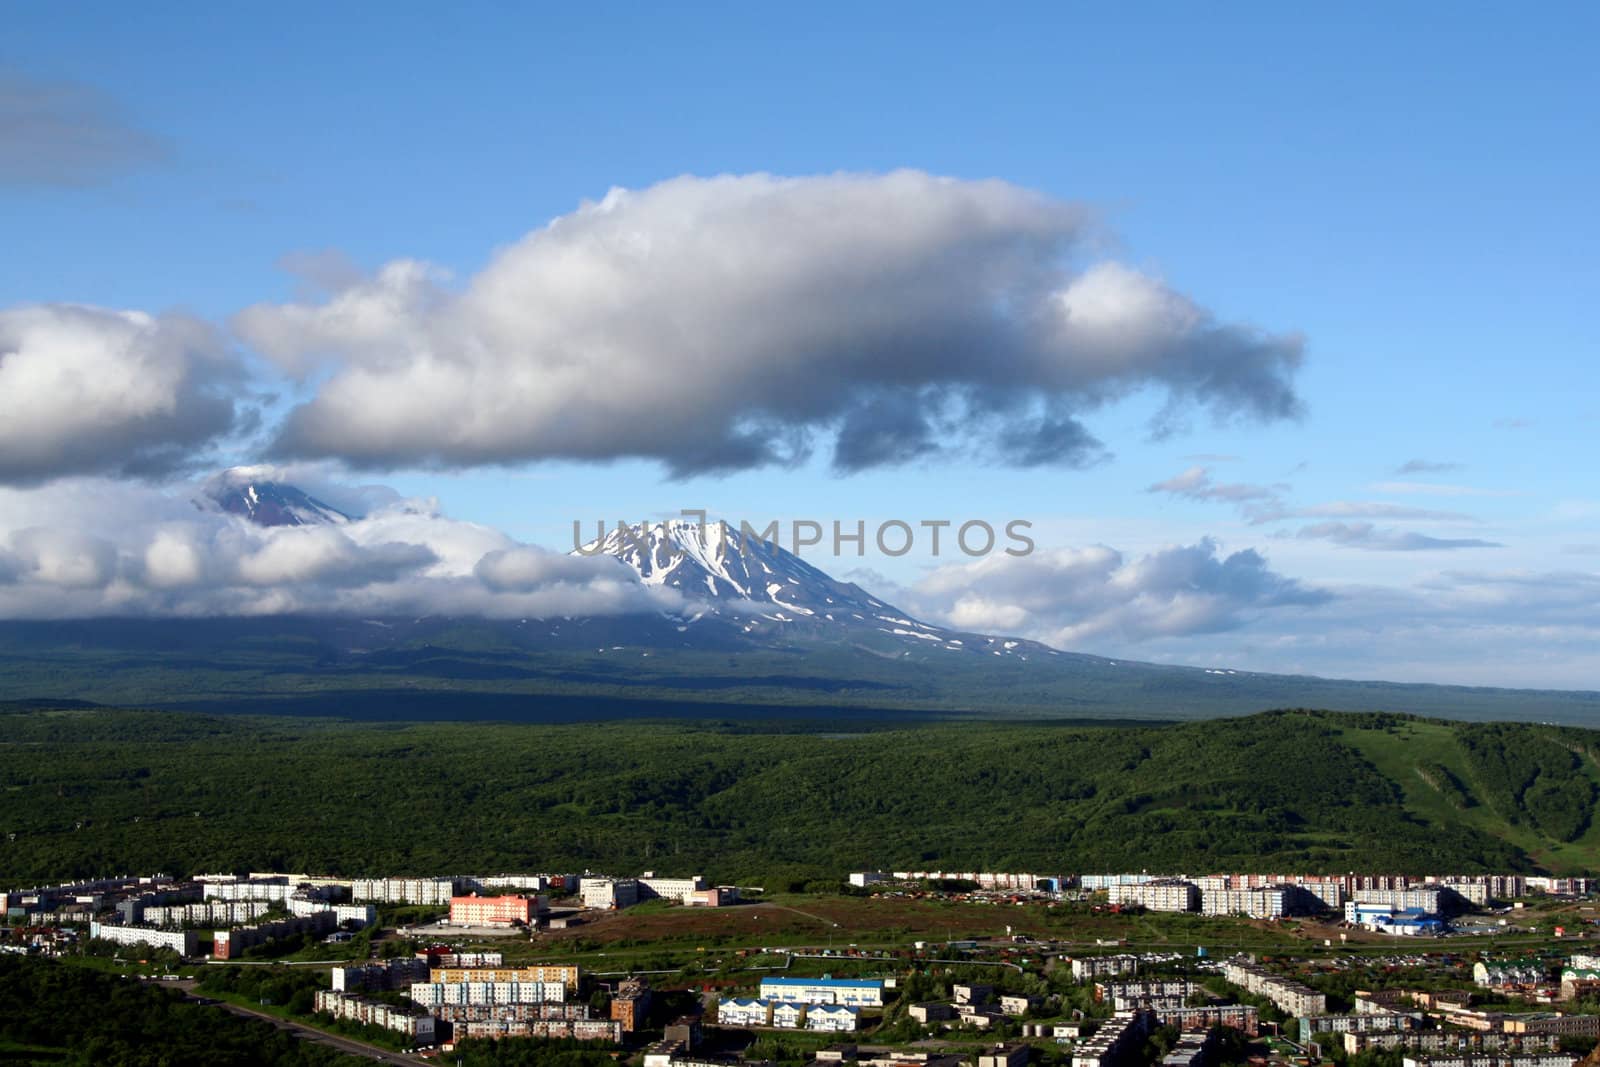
(435, 994)
(373, 977)
(1429, 899)
(207, 914)
(1266, 902)
(832, 1018)
(1290, 996)
(1135, 989)
(461, 1013)
(415, 1024)
(474, 910)
(971, 993)
(1493, 1059)
(1367, 1023)
(1509, 974)
(744, 1011)
(566, 974)
(1164, 894)
(1107, 1044)
(463, 959)
(608, 893)
(630, 1006)
(931, 1012)
(231, 944)
(274, 889)
(1014, 1054)
(183, 942)
(1094, 883)
(852, 992)
(1243, 1017)
(360, 914)
(681, 890)
(1585, 1026)
(495, 1029)
(1447, 1041)
(1019, 1005)
(1087, 967)
(435, 891)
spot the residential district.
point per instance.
(447, 972)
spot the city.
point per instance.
(494, 958)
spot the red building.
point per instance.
(491, 911)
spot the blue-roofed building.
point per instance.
(741, 1011)
(854, 992)
(832, 1017)
(1408, 921)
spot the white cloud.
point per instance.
(1372, 509)
(731, 322)
(1380, 539)
(1086, 597)
(91, 391)
(86, 547)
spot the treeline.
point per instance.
(76, 1016)
(91, 792)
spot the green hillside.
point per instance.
(99, 791)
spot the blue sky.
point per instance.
(1409, 192)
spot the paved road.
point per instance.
(376, 1053)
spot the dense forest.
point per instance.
(77, 1017)
(94, 791)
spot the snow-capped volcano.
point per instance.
(269, 503)
(766, 589)
(717, 562)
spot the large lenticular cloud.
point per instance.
(731, 322)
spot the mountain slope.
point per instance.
(268, 503)
(772, 595)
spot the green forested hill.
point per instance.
(99, 791)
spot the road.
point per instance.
(376, 1053)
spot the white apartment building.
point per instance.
(421, 1026)
(1182, 988)
(678, 889)
(276, 890)
(220, 912)
(1419, 898)
(403, 890)
(1166, 894)
(1087, 967)
(744, 1011)
(606, 893)
(183, 942)
(833, 1018)
(365, 914)
(1263, 903)
(855, 992)
(1290, 996)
